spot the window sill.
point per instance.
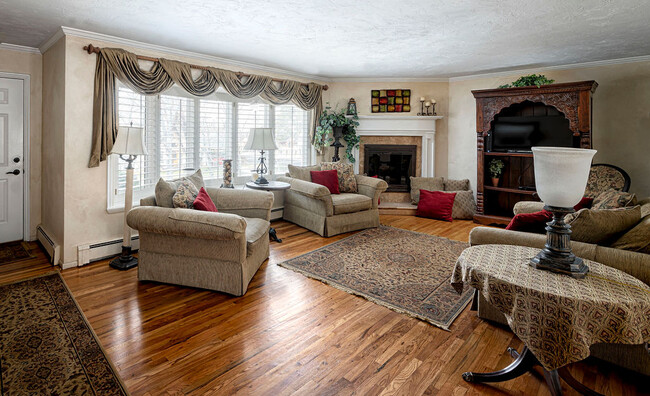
(118, 209)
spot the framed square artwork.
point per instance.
(390, 100)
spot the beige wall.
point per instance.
(340, 93)
(53, 141)
(621, 119)
(30, 64)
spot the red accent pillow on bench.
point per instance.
(327, 178)
(436, 205)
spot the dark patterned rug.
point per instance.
(406, 271)
(47, 346)
(13, 251)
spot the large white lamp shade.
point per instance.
(260, 139)
(130, 141)
(561, 174)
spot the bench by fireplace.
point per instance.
(393, 163)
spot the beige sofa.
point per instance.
(633, 357)
(217, 251)
(312, 206)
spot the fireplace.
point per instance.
(393, 163)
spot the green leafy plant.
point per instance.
(331, 119)
(528, 81)
(496, 168)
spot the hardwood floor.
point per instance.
(290, 334)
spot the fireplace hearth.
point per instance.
(393, 163)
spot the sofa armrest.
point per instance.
(187, 223)
(148, 201)
(309, 189)
(243, 202)
(371, 187)
(527, 207)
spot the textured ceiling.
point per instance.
(343, 38)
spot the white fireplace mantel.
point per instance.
(399, 125)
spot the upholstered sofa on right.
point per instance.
(637, 264)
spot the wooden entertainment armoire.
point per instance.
(560, 113)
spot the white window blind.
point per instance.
(184, 133)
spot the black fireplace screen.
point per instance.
(392, 163)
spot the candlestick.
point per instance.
(422, 99)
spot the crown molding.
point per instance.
(68, 31)
(20, 48)
(387, 79)
(582, 65)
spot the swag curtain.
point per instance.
(117, 63)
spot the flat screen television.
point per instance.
(514, 137)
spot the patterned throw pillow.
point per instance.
(456, 185)
(165, 190)
(185, 195)
(601, 226)
(637, 239)
(425, 183)
(302, 172)
(347, 181)
(612, 199)
(464, 205)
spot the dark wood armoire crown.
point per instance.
(556, 115)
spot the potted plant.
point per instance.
(528, 81)
(496, 169)
(339, 125)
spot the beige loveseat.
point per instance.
(217, 251)
(633, 357)
(312, 206)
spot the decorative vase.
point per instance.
(495, 181)
(227, 174)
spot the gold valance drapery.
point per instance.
(117, 63)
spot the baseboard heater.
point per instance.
(52, 248)
(102, 250)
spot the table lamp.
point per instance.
(561, 177)
(261, 139)
(129, 144)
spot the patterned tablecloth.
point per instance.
(556, 316)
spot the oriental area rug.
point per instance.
(11, 252)
(406, 271)
(47, 346)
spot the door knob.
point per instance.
(15, 172)
(16, 159)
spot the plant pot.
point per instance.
(495, 181)
(337, 132)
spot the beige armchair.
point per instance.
(312, 206)
(217, 251)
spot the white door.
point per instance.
(11, 159)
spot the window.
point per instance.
(184, 133)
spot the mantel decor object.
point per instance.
(129, 144)
(561, 177)
(391, 100)
(227, 174)
(352, 107)
(428, 104)
(261, 139)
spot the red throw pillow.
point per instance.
(436, 205)
(204, 202)
(585, 202)
(327, 178)
(531, 222)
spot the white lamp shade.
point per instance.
(130, 141)
(561, 174)
(261, 139)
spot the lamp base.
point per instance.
(261, 180)
(125, 261)
(557, 255)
